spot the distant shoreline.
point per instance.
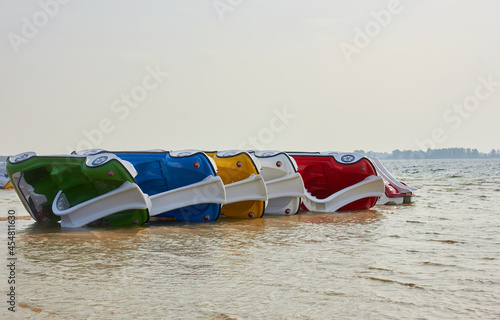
(443, 153)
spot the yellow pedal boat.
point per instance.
(236, 168)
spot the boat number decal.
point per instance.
(99, 160)
(347, 158)
(22, 157)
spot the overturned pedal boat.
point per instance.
(338, 181)
(78, 190)
(246, 191)
(284, 184)
(4, 177)
(396, 192)
(181, 184)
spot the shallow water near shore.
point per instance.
(437, 258)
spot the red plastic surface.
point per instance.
(323, 176)
(391, 192)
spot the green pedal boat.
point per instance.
(79, 190)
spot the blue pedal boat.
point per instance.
(160, 172)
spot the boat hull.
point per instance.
(163, 171)
(38, 180)
(232, 168)
(276, 165)
(326, 174)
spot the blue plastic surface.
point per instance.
(158, 172)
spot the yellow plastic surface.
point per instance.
(8, 185)
(237, 168)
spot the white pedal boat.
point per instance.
(284, 184)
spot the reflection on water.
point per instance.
(437, 258)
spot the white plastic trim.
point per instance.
(372, 186)
(383, 200)
(251, 188)
(290, 185)
(209, 190)
(401, 188)
(128, 196)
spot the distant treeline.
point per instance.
(445, 153)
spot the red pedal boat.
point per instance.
(348, 177)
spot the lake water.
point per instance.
(437, 258)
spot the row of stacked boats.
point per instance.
(126, 188)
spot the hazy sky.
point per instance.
(260, 74)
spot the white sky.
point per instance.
(228, 77)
